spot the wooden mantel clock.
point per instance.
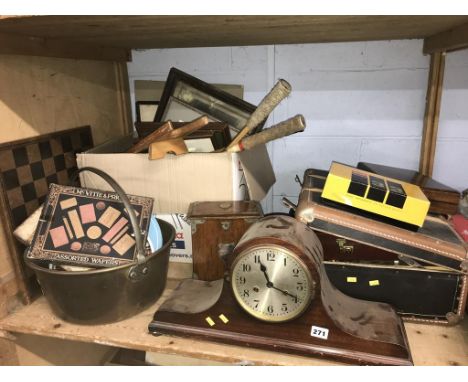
(277, 296)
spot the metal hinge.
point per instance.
(409, 261)
(194, 223)
(344, 249)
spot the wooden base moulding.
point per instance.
(292, 337)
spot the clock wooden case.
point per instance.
(329, 324)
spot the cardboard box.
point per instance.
(181, 248)
(176, 181)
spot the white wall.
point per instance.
(452, 144)
(363, 101)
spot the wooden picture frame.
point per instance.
(217, 132)
(178, 111)
(215, 135)
(146, 110)
(208, 99)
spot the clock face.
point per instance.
(271, 283)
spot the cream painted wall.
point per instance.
(41, 95)
(363, 101)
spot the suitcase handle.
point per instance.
(289, 204)
(138, 271)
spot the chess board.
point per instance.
(27, 168)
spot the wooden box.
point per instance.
(216, 228)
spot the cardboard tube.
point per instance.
(282, 129)
(280, 91)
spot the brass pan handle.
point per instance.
(140, 270)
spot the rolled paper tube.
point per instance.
(282, 129)
(144, 143)
(280, 91)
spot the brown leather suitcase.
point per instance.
(423, 274)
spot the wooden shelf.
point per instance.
(430, 345)
(112, 37)
(146, 32)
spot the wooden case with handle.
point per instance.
(217, 227)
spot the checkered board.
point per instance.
(27, 167)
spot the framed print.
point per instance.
(212, 137)
(146, 110)
(178, 111)
(199, 144)
(206, 99)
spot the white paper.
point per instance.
(319, 332)
(181, 249)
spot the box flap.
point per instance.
(258, 171)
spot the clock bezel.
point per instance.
(262, 316)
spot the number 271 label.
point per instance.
(319, 332)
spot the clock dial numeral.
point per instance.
(242, 280)
(246, 268)
(300, 286)
(296, 272)
(270, 309)
(246, 293)
(284, 261)
(284, 307)
(257, 259)
(256, 303)
(271, 256)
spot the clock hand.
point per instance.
(264, 270)
(286, 293)
(271, 285)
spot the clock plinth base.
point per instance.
(293, 337)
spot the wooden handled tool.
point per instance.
(173, 142)
(280, 91)
(282, 129)
(144, 143)
(189, 128)
(167, 131)
(159, 149)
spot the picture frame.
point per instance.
(178, 111)
(146, 110)
(206, 99)
(212, 137)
